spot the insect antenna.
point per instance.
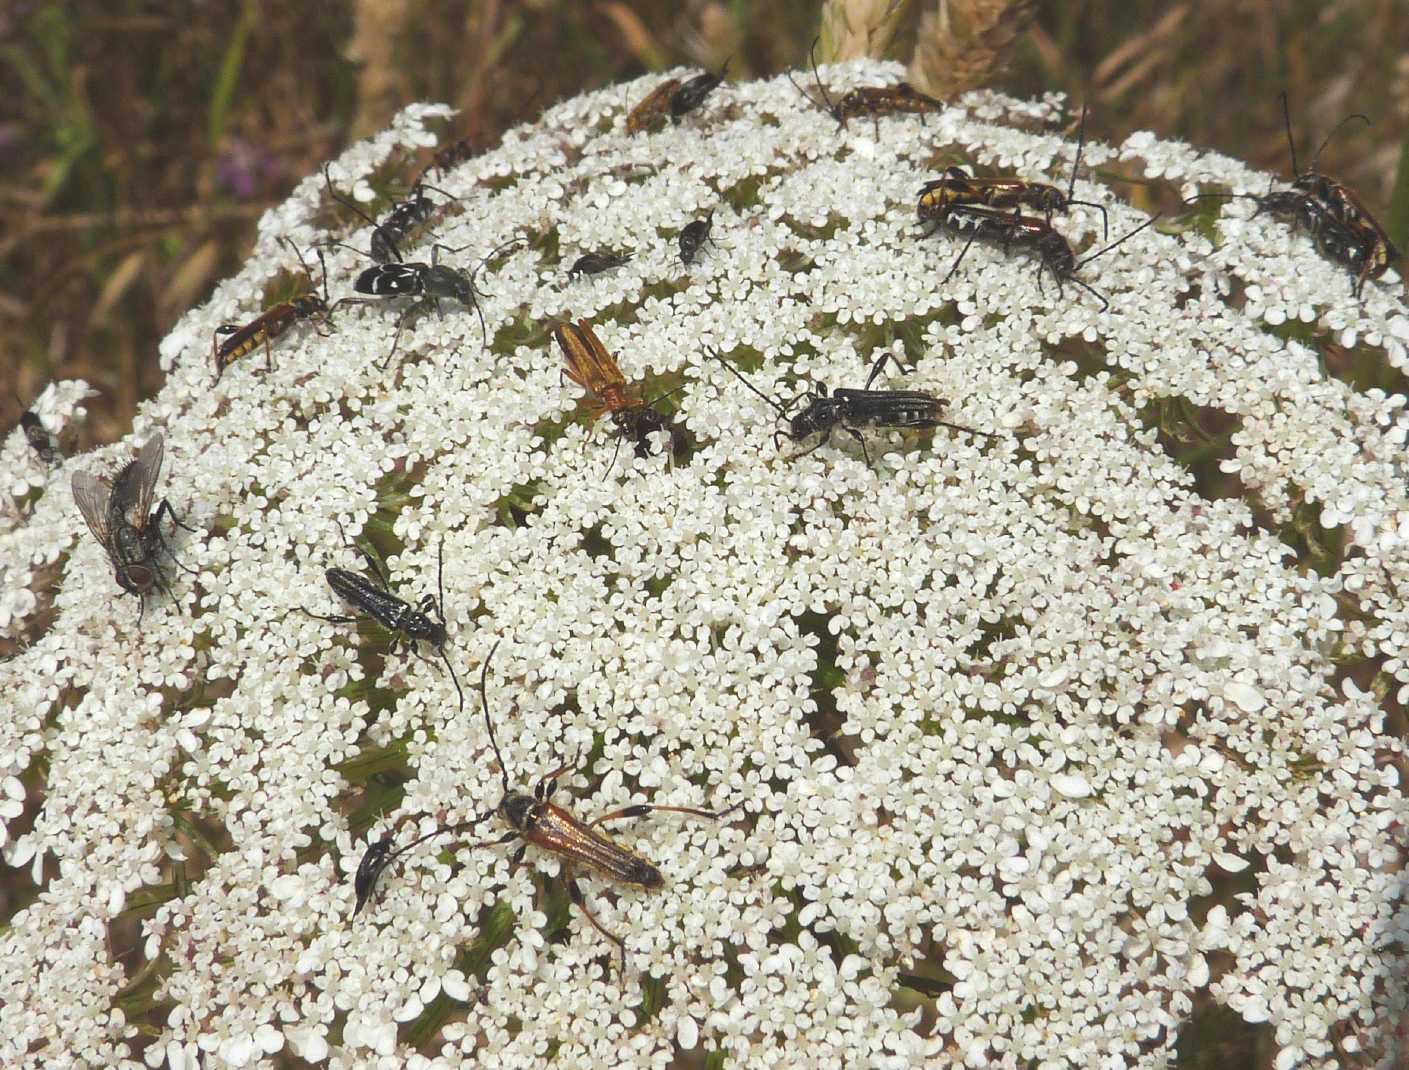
(667, 394)
(1334, 130)
(516, 240)
(327, 181)
(1075, 167)
(392, 856)
(440, 581)
(1291, 141)
(437, 189)
(737, 375)
(488, 723)
(1119, 241)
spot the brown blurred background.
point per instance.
(140, 141)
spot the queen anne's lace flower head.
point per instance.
(1041, 745)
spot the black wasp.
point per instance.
(404, 217)
(596, 263)
(855, 410)
(123, 521)
(430, 282)
(693, 237)
(692, 93)
(38, 437)
(409, 626)
(536, 821)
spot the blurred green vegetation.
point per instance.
(145, 138)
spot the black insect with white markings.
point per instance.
(693, 92)
(38, 437)
(596, 263)
(693, 237)
(405, 216)
(853, 411)
(536, 821)
(430, 282)
(126, 525)
(872, 100)
(409, 625)
(273, 322)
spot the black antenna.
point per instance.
(327, 181)
(817, 76)
(1075, 167)
(440, 581)
(437, 189)
(1080, 144)
(782, 412)
(1358, 115)
(484, 699)
(1291, 142)
(1112, 245)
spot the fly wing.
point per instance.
(589, 365)
(135, 486)
(92, 494)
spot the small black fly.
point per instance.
(855, 410)
(595, 264)
(693, 237)
(692, 93)
(126, 525)
(374, 860)
(39, 438)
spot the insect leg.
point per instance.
(549, 783)
(1105, 305)
(642, 809)
(880, 363)
(865, 454)
(958, 259)
(400, 322)
(826, 437)
(575, 894)
(333, 619)
(165, 509)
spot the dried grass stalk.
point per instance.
(855, 28)
(963, 44)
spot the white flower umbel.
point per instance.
(1045, 747)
